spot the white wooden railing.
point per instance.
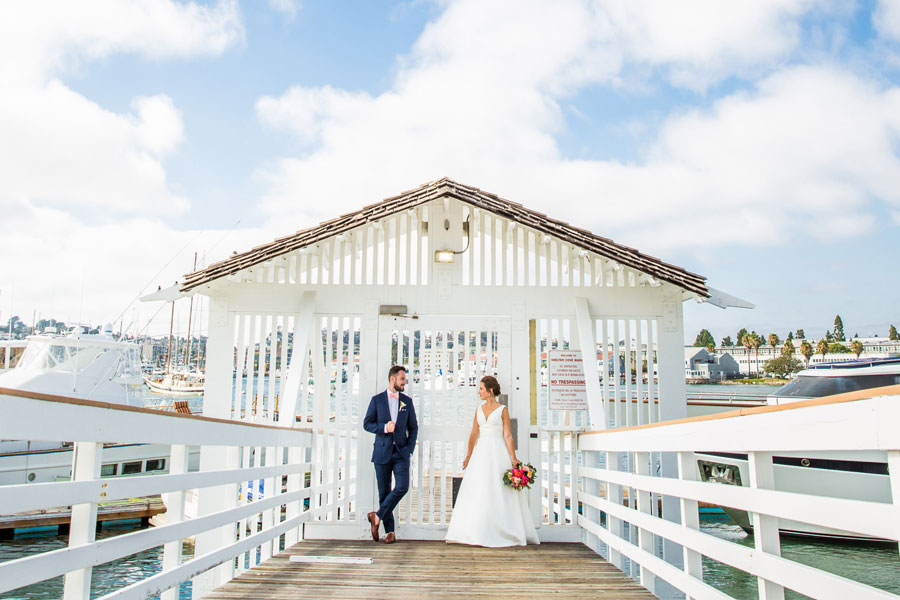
(619, 500)
(256, 527)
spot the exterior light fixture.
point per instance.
(443, 256)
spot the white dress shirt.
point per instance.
(393, 405)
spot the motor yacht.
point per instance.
(82, 366)
(857, 475)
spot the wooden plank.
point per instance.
(417, 569)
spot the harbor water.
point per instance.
(106, 578)
(877, 566)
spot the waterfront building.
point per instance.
(702, 366)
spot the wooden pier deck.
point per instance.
(143, 509)
(434, 570)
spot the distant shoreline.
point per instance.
(753, 382)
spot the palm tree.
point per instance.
(822, 348)
(857, 347)
(806, 350)
(773, 341)
(747, 342)
(788, 348)
(756, 341)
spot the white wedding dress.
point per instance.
(487, 512)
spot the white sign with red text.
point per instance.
(566, 381)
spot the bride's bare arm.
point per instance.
(473, 437)
(507, 436)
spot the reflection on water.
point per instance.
(878, 566)
(106, 578)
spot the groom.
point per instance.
(392, 418)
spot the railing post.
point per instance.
(690, 515)
(765, 527)
(174, 514)
(269, 516)
(644, 505)
(592, 488)
(893, 457)
(614, 495)
(83, 524)
(295, 482)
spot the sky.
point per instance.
(755, 143)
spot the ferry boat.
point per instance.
(90, 367)
(860, 475)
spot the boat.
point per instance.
(10, 352)
(84, 366)
(178, 383)
(183, 381)
(858, 475)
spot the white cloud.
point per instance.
(289, 8)
(887, 18)
(84, 187)
(807, 150)
(67, 268)
(38, 40)
(60, 148)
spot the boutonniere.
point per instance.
(402, 404)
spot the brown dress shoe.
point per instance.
(389, 538)
(372, 516)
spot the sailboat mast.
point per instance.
(187, 356)
(169, 354)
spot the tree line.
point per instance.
(787, 363)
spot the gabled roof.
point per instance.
(473, 197)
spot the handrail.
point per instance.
(125, 408)
(623, 472)
(277, 454)
(889, 390)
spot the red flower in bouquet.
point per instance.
(520, 477)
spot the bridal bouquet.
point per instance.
(519, 477)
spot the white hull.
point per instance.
(43, 466)
(162, 387)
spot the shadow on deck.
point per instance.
(418, 569)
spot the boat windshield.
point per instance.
(805, 386)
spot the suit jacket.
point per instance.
(406, 428)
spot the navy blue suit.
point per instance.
(391, 451)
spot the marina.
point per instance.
(270, 461)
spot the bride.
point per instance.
(487, 512)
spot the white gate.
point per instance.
(446, 357)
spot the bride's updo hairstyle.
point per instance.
(491, 384)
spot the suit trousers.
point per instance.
(388, 498)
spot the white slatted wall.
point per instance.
(625, 347)
(396, 250)
(445, 367)
(261, 360)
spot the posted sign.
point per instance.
(566, 379)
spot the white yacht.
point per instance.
(857, 475)
(90, 367)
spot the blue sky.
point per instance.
(754, 143)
